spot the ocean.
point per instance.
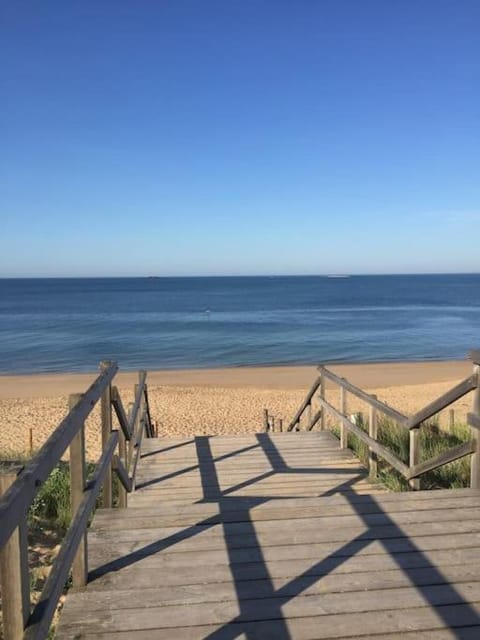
(60, 325)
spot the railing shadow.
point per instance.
(276, 598)
(267, 604)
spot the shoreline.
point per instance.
(278, 377)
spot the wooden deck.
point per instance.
(276, 536)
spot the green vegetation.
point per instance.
(433, 441)
(51, 506)
(52, 502)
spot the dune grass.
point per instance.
(51, 506)
(433, 441)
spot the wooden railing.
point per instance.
(271, 423)
(415, 468)
(120, 454)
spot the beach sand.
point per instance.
(218, 401)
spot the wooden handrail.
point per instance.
(415, 468)
(373, 444)
(18, 497)
(39, 622)
(120, 413)
(448, 398)
(473, 420)
(138, 399)
(122, 473)
(305, 404)
(16, 501)
(445, 457)
(372, 401)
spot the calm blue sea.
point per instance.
(72, 324)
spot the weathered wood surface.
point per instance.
(277, 536)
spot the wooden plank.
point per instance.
(305, 403)
(373, 433)
(473, 420)
(149, 423)
(318, 627)
(20, 495)
(122, 473)
(304, 586)
(77, 487)
(106, 421)
(302, 629)
(457, 392)
(374, 446)
(120, 413)
(282, 459)
(313, 421)
(138, 448)
(374, 601)
(40, 620)
(211, 541)
(233, 474)
(388, 501)
(14, 576)
(229, 517)
(258, 489)
(266, 424)
(343, 411)
(414, 457)
(138, 395)
(123, 459)
(475, 433)
(321, 520)
(326, 568)
(258, 479)
(400, 418)
(322, 397)
(316, 461)
(334, 510)
(443, 458)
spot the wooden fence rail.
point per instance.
(414, 469)
(18, 490)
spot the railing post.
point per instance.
(475, 459)
(322, 396)
(122, 454)
(77, 487)
(280, 425)
(265, 420)
(131, 443)
(14, 576)
(309, 416)
(414, 432)
(106, 413)
(343, 428)
(451, 419)
(372, 432)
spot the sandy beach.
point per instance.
(214, 401)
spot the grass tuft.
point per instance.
(433, 441)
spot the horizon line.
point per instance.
(331, 275)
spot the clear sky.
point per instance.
(143, 137)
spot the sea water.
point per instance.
(71, 324)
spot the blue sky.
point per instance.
(239, 137)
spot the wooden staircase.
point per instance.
(276, 536)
